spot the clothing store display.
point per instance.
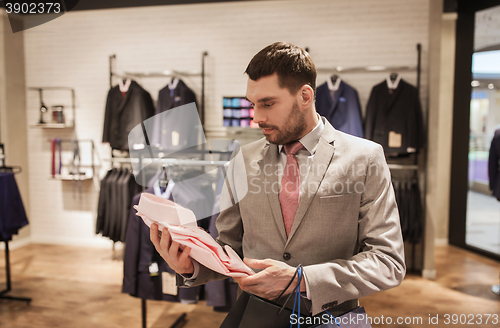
(123, 113)
(139, 254)
(410, 208)
(493, 165)
(118, 188)
(178, 129)
(341, 107)
(12, 215)
(75, 166)
(56, 143)
(395, 120)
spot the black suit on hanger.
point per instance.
(124, 113)
(400, 113)
(102, 206)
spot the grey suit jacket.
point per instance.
(346, 232)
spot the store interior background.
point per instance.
(73, 51)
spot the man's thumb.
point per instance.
(257, 264)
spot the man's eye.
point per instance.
(268, 104)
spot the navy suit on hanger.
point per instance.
(493, 167)
(174, 95)
(12, 214)
(344, 111)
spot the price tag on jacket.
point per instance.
(168, 283)
(395, 139)
(153, 269)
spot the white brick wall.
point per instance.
(73, 51)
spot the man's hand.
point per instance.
(271, 281)
(178, 260)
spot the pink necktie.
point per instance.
(290, 185)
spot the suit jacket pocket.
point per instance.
(341, 208)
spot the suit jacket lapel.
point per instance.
(322, 158)
(270, 158)
(339, 93)
(394, 97)
(126, 98)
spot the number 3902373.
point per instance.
(33, 8)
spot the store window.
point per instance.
(483, 203)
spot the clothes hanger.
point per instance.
(163, 180)
(393, 80)
(333, 82)
(124, 84)
(173, 84)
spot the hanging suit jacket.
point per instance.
(344, 111)
(139, 254)
(410, 209)
(182, 121)
(348, 239)
(493, 165)
(124, 113)
(12, 214)
(118, 188)
(398, 115)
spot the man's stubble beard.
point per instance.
(290, 132)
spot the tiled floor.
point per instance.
(74, 287)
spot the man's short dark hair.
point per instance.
(293, 65)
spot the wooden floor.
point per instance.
(74, 287)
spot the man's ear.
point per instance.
(306, 96)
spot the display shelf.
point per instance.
(64, 122)
(233, 130)
(53, 126)
(88, 171)
(71, 177)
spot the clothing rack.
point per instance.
(390, 69)
(168, 162)
(376, 69)
(402, 167)
(7, 257)
(164, 74)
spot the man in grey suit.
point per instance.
(338, 218)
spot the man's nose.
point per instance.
(258, 116)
